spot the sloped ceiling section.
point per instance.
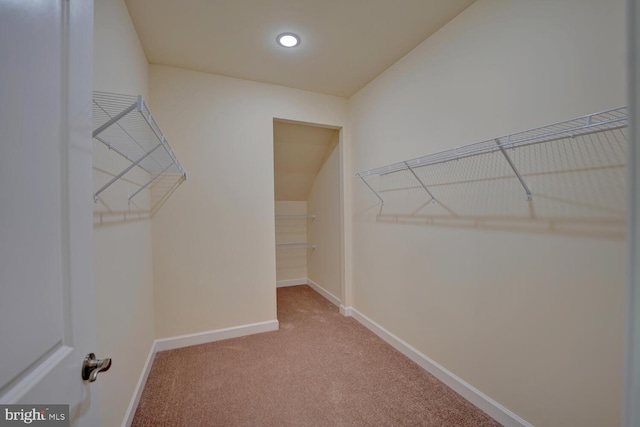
(345, 43)
(299, 151)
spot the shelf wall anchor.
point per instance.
(515, 170)
(433, 199)
(371, 188)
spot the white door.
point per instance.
(47, 296)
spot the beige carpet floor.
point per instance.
(319, 369)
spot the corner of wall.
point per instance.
(122, 249)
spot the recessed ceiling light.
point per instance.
(288, 40)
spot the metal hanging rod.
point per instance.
(126, 126)
(593, 123)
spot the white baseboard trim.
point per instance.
(216, 335)
(345, 311)
(466, 390)
(186, 341)
(137, 392)
(291, 282)
(328, 295)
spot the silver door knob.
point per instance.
(92, 366)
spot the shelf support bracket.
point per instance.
(148, 182)
(120, 175)
(515, 170)
(433, 199)
(371, 188)
(114, 119)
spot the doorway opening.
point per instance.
(308, 207)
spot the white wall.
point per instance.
(534, 320)
(122, 249)
(214, 239)
(291, 264)
(120, 64)
(325, 263)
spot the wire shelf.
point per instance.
(124, 125)
(295, 246)
(572, 175)
(575, 129)
(296, 216)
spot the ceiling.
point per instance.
(345, 43)
(299, 151)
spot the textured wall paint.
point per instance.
(214, 239)
(122, 250)
(534, 320)
(324, 264)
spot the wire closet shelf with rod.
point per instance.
(145, 170)
(567, 172)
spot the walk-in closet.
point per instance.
(431, 203)
(307, 206)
